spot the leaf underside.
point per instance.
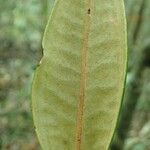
(78, 86)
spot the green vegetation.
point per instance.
(21, 28)
(22, 23)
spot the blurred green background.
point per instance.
(22, 24)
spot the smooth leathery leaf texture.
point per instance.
(77, 88)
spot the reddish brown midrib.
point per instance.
(81, 101)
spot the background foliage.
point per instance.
(22, 23)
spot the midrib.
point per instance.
(81, 101)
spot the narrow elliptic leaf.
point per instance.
(78, 86)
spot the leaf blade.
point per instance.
(76, 83)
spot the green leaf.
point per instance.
(78, 86)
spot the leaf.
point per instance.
(78, 86)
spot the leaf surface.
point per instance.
(78, 86)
